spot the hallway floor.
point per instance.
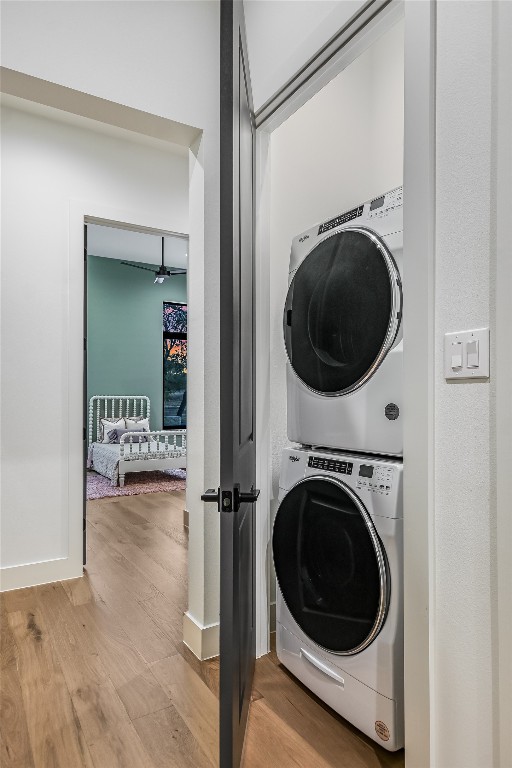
(94, 673)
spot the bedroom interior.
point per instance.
(136, 362)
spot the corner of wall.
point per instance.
(202, 640)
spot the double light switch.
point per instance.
(466, 354)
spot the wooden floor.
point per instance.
(94, 672)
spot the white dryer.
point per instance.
(343, 330)
(337, 548)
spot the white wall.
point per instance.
(47, 163)
(154, 56)
(341, 148)
(464, 629)
(161, 58)
(292, 31)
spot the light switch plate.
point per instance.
(452, 354)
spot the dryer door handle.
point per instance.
(322, 667)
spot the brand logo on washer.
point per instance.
(382, 730)
(392, 411)
(304, 237)
(293, 458)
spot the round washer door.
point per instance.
(330, 565)
(342, 312)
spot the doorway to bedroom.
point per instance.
(136, 361)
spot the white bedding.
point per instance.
(104, 457)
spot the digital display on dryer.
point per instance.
(377, 203)
(365, 470)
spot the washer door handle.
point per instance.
(322, 667)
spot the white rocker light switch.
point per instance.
(466, 354)
(472, 352)
(456, 354)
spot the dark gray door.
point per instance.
(85, 408)
(237, 439)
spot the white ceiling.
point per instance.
(124, 244)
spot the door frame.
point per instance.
(83, 213)
(419, 220)
(119, 225)
(503, 368)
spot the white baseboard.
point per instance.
(32, 574)
(202, 640)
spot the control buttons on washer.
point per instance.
(380, 481)
(330, 465)
(341, 219)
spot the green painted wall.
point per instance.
(124, 330)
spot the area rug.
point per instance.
(99, 487)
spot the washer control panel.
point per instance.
(375, 479)
(381, 206)
(341, 219)
(331, 465)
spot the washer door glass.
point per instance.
(339, 312)
(330, 565)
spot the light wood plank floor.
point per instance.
(94, 673)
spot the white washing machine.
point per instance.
(337, 547)
(343, 330)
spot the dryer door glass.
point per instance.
(330, 565)
(339, 317)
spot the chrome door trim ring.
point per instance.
(385, 586)
(395, 315)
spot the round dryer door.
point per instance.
(342, 312)
(330, 565)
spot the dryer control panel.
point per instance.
(381, 206)
(375, 479)
(331, 465)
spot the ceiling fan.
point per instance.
(162, 273)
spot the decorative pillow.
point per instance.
(112, 436)
(109, 424)
(115, 436)
(137, 423)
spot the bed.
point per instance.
(161, 449)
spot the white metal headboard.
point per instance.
(115, 406)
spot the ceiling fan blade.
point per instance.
(171, 272)
(136, 266)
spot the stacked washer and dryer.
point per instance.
(338, 532)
